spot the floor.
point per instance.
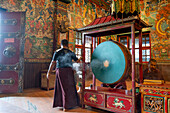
(40, 101)
(36, 101)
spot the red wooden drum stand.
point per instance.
(115, 100)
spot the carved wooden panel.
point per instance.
(153, 104)
(120, 104)
(95, 99)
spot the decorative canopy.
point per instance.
(103, 26)
(124, 8)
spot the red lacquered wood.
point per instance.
(83, 71)
(155, 91)
(94, 78)
(104, 29)
(140, 57)
(133, 67)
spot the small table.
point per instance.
(47, 84)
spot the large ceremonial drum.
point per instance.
(111, 62)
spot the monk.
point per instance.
(151, 72)
(65, 94)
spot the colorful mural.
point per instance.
(157, 13)
(40, 15)
(39, 26)
(40, 21)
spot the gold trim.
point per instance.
(2, 81)
(157, 89)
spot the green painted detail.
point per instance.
(118, 103)
(93, 98)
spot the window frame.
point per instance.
(143, 47)
(78, 36)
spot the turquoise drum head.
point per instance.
(108, 62)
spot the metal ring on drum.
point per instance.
(111, 62)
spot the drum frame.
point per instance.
(113, 27)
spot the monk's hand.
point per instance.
(48, 75)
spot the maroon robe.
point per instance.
(65, 89)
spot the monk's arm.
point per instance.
(52, 64)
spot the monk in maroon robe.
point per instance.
(65, 94)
